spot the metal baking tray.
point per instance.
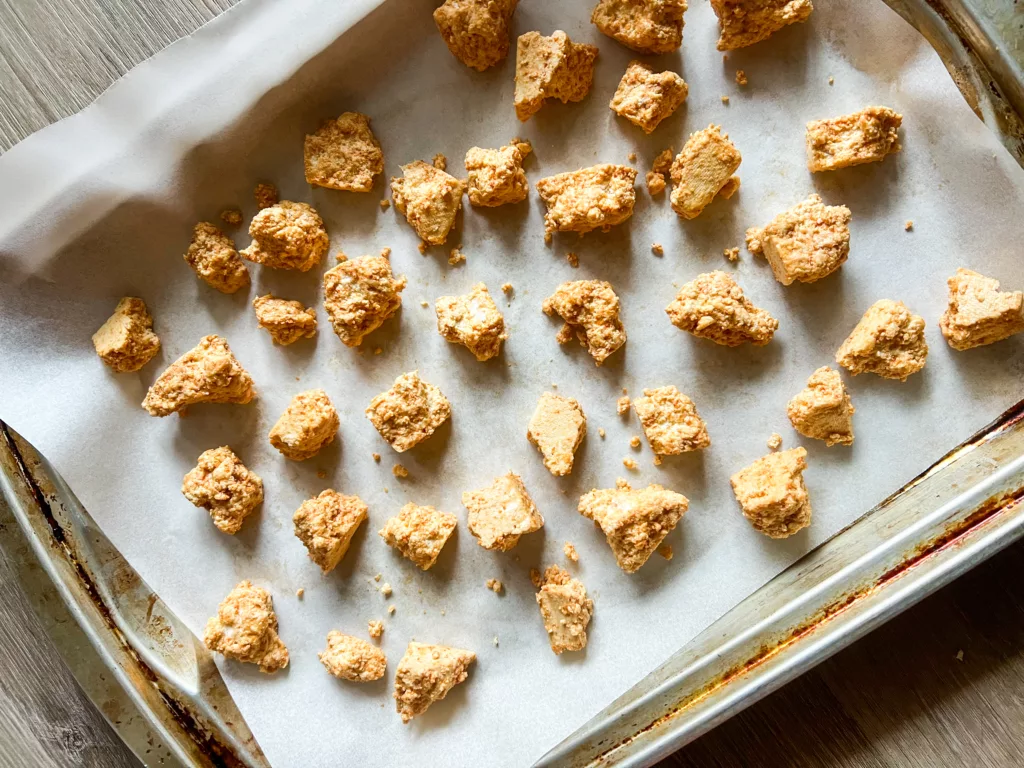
(161, 690)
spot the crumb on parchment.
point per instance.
(126, 341)
(425, 675)
(645, 97)
(376, 457)
(565, 610)
(409, 412)
(287, 236)
(326, 524)
(308, 424)
(300, 593)
(725, 99)
(440, 162)
(501, 513)
(375, 627)
(978, 313)
(495, 586)
(657, 249)
(908, 226)
(231, 216)
(645, 26)
(573, 259)
(732, 254)
(745, 22)
(213, 257)
(557, 428)
(741, 77)
(655, 183)
(429, 199)
(476, 31)
(772, 494)
(601, 433)
(221, 484)
(285, 320)
(671, 421)
(622, 405)
(399, 470)
(385, 204)
(888, 341)
(419, 533)
(343, 154)
(598, 197)
(569, 550)
(630, 463)
(713, 306)
(822, 410)
(635, 522)
(590, 308)
(245, 629)
(506, 288)
(472, 320)
(867, 136)
(551, 68)
(774, 441)
(634, 442)
(265, 195)
(359, 295)
(350, 658)
(385, 589)
(665, 550)
(208, 373)
(496, 176)
(391, 610)
(703, 170)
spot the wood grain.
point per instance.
(900, 697)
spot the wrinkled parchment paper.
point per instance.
(102, 206)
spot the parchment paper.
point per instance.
(102, 206)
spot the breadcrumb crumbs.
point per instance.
(385, 252)
(622, 405)
(231, 216)
(665, 550)
(375, 627)
(399, 471)
(300, 592)
(657, 249)
(456, 256)
(424, 303)
(495, 586)
(536, 578)
(570, 552)
(385, 204)
(573, 259)
(632, 157)
(440, 162)
(741, 77)
(391, 610)
(657, 460)
(422, 247)
(266, 195)
(909, 225)
(321, 474)
(831, 80)
(634, 442)
(629, 463)
(495, 641)
(385, 589)
(377, 350)
(376, 457)
(342, 256)
(601, 432)
(775, 441)
(725, 99)
(506, 288)
(732, 254)
(377, 577)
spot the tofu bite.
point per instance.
(308, 424)
(557, 428)
(349, 658)
(419, 533)
(671, 422)
(867, 136)
(409, 412)
(502, 512)
(888, 341)
(645, 97)
(221, 484)
(806, 243)
(429, 198)
(713, 306)
(286, 321)
(425, 675)
(645, 26)
(343, 154)
(745, 22)
(565, 609)
(476, 31)
(772, 494)
(598, 197)
(590, 308)
(126, 341)
(473, 321)
(704, 170)
(496, 176)
(551, 68)
(635, 522)
(245, 629)
(359, 295)
(208, 373)
(213, 257)
(326, 524)
(978, 312)
(822, 410)
(287, 236)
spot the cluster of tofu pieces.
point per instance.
(808, 242)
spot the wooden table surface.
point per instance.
(943, 684)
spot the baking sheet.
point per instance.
(102, 206)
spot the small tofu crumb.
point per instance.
(300, 592)
(456, 256)
(725, 99)
(424, 303)
(630, 463)
(622, 405)
(536, 578)
(601, 432)
(399, 471)
(570, 552)
(741, 77)
(657, 460)
(321, 473)
(495, 586)
(422, 248)
(231, 216)
(634, 442)
(385, 204)
(775, 441)
(376, 457)
(657, 249)
(375, 628)
(495, 641)
(391, 610)
(506, 287)
(385, 589)
(732, 254)
(631, 157)
(831, 80)
(440, 162)
(573, 259)
(266, 195)
(655, 183)
(908, 226)
(377, 577)
(665, 550)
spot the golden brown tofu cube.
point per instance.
(208, 373)
(245, 629)
(419, 533)
(888, 340)
(598, 197)
(126, 341)
(635, 522)
(326, 525)
(772, 494)
(213, 256)
(551, 68)
(565, 609)
(645, 97)
(863, 137)
(671, 422)
(425, 674)
(712, 306)
(822, 410)
(349, 658)
(745, 22)
(473, 321)
(343, 154)
(476, 31)
(978, 312)
(806, 243)
(409, 412)
(308, 424)
(286, 321)
(502, 512)
(225, 487)
(557, 428)
(589, 308)
(645, 26)
(496, 176)
(429, 199)
(287, 236)
(704, 170)
(359, 295)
